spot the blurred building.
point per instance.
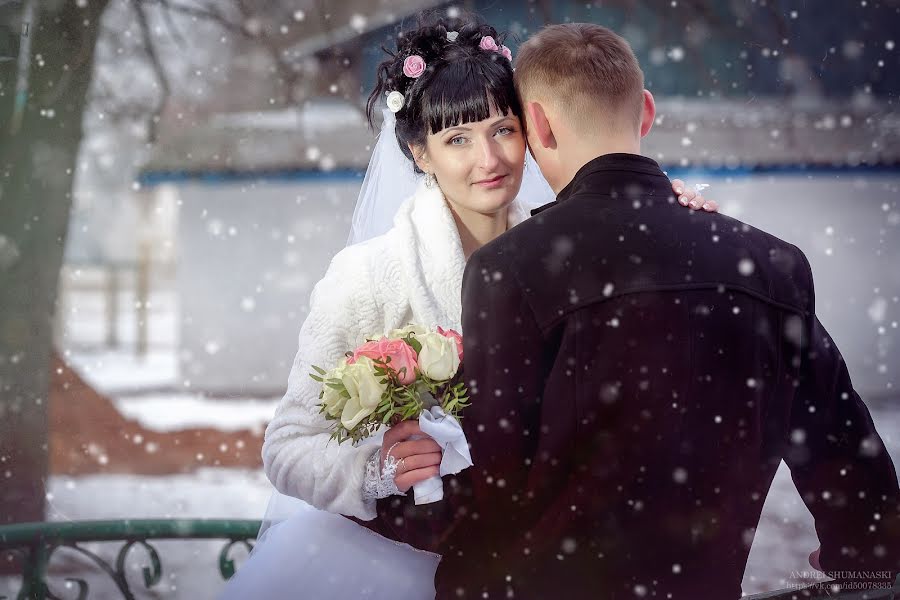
(792, 116)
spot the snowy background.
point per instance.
(231, 195)
(838, 222)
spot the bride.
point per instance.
(449, 173)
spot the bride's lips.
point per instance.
(494, 182)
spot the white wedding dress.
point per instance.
(318, 555)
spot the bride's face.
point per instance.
(478, 166)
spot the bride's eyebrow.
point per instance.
(464, 128)
(455, 128)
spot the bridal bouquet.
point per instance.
(411, 373)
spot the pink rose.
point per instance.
(403, 359)
(488, 43)
(450, 333)
(506, 52)
(413, 66)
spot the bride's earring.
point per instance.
(430, 180)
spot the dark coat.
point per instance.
(638, 371)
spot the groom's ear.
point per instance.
(539, 124)
(648, 113)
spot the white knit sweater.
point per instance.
(411, 274)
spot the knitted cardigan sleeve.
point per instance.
(299, 458)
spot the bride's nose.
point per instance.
(489, 154)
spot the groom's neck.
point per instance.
(581, 152)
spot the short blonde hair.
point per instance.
(587, 71)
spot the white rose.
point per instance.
(332, 399)
(404, 331)
(395, 101)
(365, 389)
(438, 359)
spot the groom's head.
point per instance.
(583, 95)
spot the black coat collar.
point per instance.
(619, 161)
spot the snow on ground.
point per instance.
(212, 493)
(116, 373)
(170, 412)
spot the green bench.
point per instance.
(31, 546)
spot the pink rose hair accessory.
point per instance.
(413, 66)
(506, 52)
(488, 43)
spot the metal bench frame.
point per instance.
(35, 544)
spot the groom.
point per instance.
(637, 373)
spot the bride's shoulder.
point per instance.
(363, 255)
(382, 252)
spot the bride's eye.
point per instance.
(505, 131)
(457, 141)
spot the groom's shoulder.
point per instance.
(659, 247)
(748, 257)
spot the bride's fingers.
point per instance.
(400, 432)
(687, 198)
(678, 186)
(419, 461)
(410, 478)
(425, 446)
(698, 201)
(711, 206)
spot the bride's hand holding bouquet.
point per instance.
(409, 379)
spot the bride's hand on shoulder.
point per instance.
(692, 198)
(417, 456)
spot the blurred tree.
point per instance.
(43, 89)
(47, 51)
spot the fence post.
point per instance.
(112, 306)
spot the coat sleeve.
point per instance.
(299, 457)
(503, 370)
(840, 464)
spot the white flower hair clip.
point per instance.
(395, 101)
(452, 35)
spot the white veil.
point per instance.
(389, 181)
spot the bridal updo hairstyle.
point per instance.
(460, 84)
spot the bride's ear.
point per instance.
(421, 158)
(540, 125)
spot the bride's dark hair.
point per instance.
(461, 82)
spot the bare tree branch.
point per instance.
(288, 76)
(156, 65)
(209, 12)
(170, 24)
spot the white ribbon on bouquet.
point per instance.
(448, 433)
